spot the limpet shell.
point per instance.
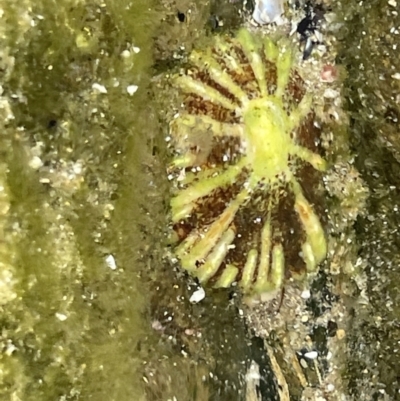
(246, 166)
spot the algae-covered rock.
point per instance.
(372, 89)
(90, 308)
(67, 320)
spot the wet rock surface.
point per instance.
(83, 211)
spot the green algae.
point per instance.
(371, 58)
(69, 329)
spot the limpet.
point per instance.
(246, 167)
